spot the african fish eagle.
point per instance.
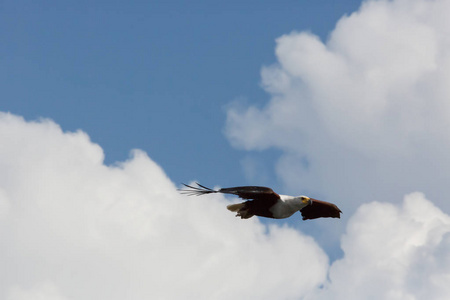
(264, 202)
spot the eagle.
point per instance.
(264, 202)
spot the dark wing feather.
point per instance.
(252, 192)
(196, 190)
(320, 209)
(244, 192)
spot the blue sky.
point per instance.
(154, 76)
(340, 100)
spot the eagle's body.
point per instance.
(286, 206)
(264, 202)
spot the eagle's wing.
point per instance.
(245, 192)
(320, 209)
(252, 192)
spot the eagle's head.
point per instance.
(304, 201)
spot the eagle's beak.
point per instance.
(307, 200)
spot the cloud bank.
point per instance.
(73, 228)
(393, 252)
(364, 115)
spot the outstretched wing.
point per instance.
(252, 192)
(320, 209)
(245, 192)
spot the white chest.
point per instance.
(286, 207)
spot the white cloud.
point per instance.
(364, 117)
(73, 228)
(368, 109)
(42, 291)
(393, 252)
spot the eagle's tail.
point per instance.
(241, 209)
(235, 207)
(196, 190)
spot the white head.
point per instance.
(306, 200)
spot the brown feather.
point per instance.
(259, 193)
(320, 209)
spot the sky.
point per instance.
(106, 107)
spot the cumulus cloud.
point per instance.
(42, 291)
(361, 117)
(74, 228)
(367, 109)
(393, 252)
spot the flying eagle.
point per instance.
(264, 202)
